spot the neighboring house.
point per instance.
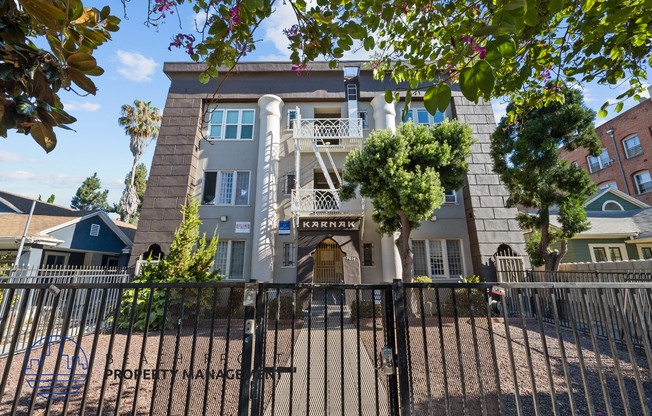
(626, 159)
(62, 237)
(621, 229)
(265, 156)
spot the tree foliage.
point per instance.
(90, 196)
(46, 46)
(525, 152)
(406, 174)
(141, 123)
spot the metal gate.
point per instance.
(262, 349)
(328, 263)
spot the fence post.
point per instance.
(390, 341)
(249, 302)
(259, 357)
(401, 346)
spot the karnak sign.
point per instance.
(330, 224)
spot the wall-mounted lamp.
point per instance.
(224, 218)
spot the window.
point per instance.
(606, 185)
(646, 253)
(643, 182)
(231, 125)
(450, 197)
(632, 147)
(290, 182)
(600, 162)
(367, 254)
(351, 92)
(292, 116)
(607, 252)
(612, 206)
(95, 230)
(230, 187)
(289, 255)
(363, 115)
(229, 259)
(423, 117)
(437, 258)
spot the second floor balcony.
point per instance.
(336, 134)
(324, 202)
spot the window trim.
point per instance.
(606, 246)
(605, 185)
(293, 255)
(224, 124)
(233, 195)
(365, 119)
(632, 137)
(638, 189)
(447, 275)
(362, 257)
(603, 166)
(287, 190)
(414, 112)
(454, 193)
(613, 202)
(639, 248)
(229, 252)
(288, 124)
(95, 230)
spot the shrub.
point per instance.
(421, 279)
(463, 301)
(367, 307)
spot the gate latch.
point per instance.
(249, 298)
(250, 327)
(387, 361)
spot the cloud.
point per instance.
(135, 67)
(500, 108)
(57, 180)
(9, 157)
(85, 106)
(282, 18)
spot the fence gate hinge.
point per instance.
(249, 298)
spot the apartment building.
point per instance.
(625, 162)
(265, 157)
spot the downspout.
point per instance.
(22, 239)
(620, 164)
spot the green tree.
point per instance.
(89, 196)
(525, 152)
(140, 184)
(51, 199)
(46, 46)
(141, 123)
(406, 174)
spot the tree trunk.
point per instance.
(133, 172)
(552, 259)
(403, 244)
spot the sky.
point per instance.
(133, 63)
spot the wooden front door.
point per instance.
(328, 263)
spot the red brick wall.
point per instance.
(637, 120)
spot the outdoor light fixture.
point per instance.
(224, 218)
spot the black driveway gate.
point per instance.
(285, 349)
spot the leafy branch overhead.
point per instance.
(31, 76)
(490, 48)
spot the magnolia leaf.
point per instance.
(437, 97)
(468, 84)
(484, 76)
(43, 11)
(82, 80)
(61, 116)
(82, 61)
(44, 136)
(75, 9)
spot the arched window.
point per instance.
(612, 206)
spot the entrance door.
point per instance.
(328, 263)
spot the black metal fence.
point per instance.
(285, 349)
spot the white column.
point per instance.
(262, 253)
(391, 259)
(384, 113)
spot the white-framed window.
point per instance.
(438, 258)
(643, 182)
(367, 255)
(292, 116)
(632, 147)
(95, 230)
(608, 252)
(230, 259)
(363, 115)
(289, 183)
(421, 116)
(450, 197)
(226, 187)
(56, 259)
(645, 252)
(289, 254)
(612, 205)
(351, 92)
(607, 185)
(226, 124)
(597, 163)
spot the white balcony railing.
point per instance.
(334, 133)
(323, 201)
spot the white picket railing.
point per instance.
(316, 201)
(335, 133)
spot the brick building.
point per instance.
(626, 159)
(265, 159)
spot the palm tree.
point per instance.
(142, 123)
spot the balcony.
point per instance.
(323, 202)
(336, 134)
